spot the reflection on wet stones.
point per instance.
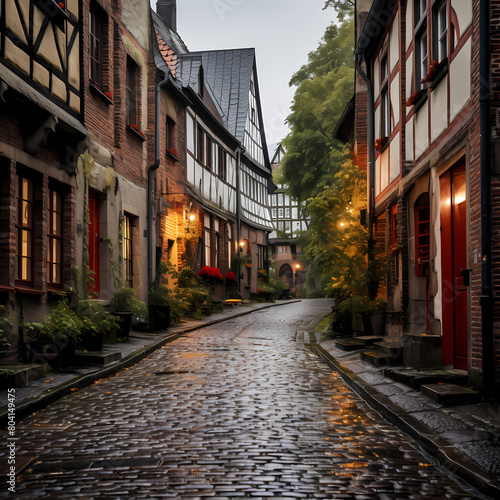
(206, 419)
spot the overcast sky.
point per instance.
(283, 33)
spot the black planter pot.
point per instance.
(91, 341)
(58, 353)
(159, 316)
(124, 323)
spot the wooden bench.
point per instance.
(233, 302)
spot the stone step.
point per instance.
(377, 358)
(369, 340)
(416, 378)
(391, 348)
(450, 394)
(97, 357)
(349, 344)
(15, 375)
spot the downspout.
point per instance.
(238, 213)
(151, 170)
(485, 149)
(370, 132)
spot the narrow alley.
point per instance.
(239, 409)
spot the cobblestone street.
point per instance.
(239, 409)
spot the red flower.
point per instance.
(230, 276)
(210, 273)
(137, 129)
(380, 143)
(173, 152)
(434, 68)
(108, 95)
(61, 5)
(414, 98)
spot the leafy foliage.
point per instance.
(344, 8)
(324, 86)
(124, 300)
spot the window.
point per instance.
(422, 239)
(200, 144)
(222, 164)
(440, 33)
(132, 92)
(24, 253)
(127, 251)
(171, 136)
(385, 111)
(55, 233)
(95, 47)
(208, 155)
(207, 238)
(421, 51)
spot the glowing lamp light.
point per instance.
(192, 217)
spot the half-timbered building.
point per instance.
(41, 137)
(216, 200)
(433, 186)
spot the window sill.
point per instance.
(137, 132)
(439, 76)
(53, 10)
(99, 93)
(172, 156)
(25, 290)
(7, 289)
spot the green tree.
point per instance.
(344, 8)
(324, 86)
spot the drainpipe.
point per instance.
(238, 212)
(370, 165)
(485, 148)
(151, 171)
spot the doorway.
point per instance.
(94, 242)
(453, 210)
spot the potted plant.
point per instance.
(97, 324)
(126, 305)
(54, 340)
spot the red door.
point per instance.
(454, 259)
(94, 238)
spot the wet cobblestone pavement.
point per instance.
(239, 409)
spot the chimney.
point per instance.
(167, 10)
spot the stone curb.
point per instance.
(436, 446)
(37, 403)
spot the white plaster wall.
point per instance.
(377, 123)
(394, 43)
(422, 130)
(460, 79)
(376, 78)
(384, 169)
(395, 157)
(436, 268)
(409, 75)
(409, 140)
(395, 96)
(409, 22)
(439, 109)
(463, 10)
(377, 176)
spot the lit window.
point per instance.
(54, 257)
(24, 258)
(127, 251)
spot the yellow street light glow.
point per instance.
(192, 217)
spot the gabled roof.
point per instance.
(228, 74)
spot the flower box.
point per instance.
(137, 131)
(230, 277)
(436, 72)
(381, 143)
(415, 98)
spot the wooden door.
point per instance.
(94, 239)
(454, 258)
